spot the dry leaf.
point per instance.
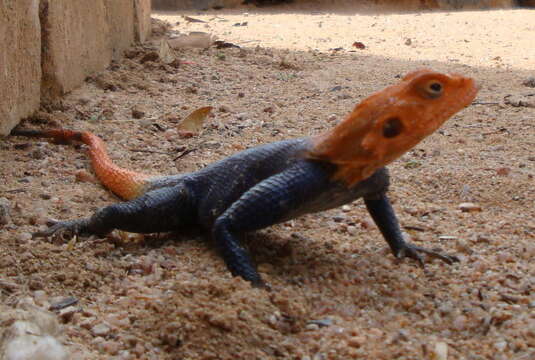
(194, 20)
(193, 122)
(504, 171)
(84, 176)
(359, 45)
(195, 39)
(165, 53)
(469, 207)
(71, 243)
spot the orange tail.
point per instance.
(124, 183)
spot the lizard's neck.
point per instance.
(342, 146)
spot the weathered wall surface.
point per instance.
(81, 37)
(193, 4)
(49, 47)
(393, 4)
(446, 4)
(20, 64)
(142, 28)
(121, 19)
(77, 42)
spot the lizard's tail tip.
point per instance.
(58, 135)
(26, 132)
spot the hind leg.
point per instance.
(156, 211)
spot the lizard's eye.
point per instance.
(434, 89)
(392, 127)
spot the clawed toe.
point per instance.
(413, 252)
(61, 231)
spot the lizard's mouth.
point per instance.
(472, 89)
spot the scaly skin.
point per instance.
(277, 182)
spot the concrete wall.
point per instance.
(49, 47)
(193, 4)
(394, 4)
(20, 64)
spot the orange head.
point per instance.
(389, 123)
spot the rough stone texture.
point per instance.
(20, 61)
(53, 45)
(120, 17)
(142, 27)
(77, 43)
(446, 4)
(193, 4)
(397, 4)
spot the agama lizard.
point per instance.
(276, 182)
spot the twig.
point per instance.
(412, 227)
(152, 151)
(14, 191)
(485, 103)
(184, 153)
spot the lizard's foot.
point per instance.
(414, 252)
(62, 230)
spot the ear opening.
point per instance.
(392, 127)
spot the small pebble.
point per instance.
(339, 218)
(241, 116)
(312, 327)
(5, 210)
(459, 323)
(469, 207)
(138, 112)
(322, 322)
(66, 314)
(224, 109)
(500, 345)
(269, 110)
(504, 171)
(62, 302)
(441, 351)
(109, 347)
(38, 154)
(100, 330)
(36, 284)
(87, 323)
(351, 230)
(212, 144)
(529, 82)
(84, 100)
(24, 237)
(40, 296)
(463, 247)
(356, 341)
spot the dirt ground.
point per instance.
(337, 292)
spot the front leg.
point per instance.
(383, 214)
(271, 201)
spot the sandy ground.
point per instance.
(337, 293)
